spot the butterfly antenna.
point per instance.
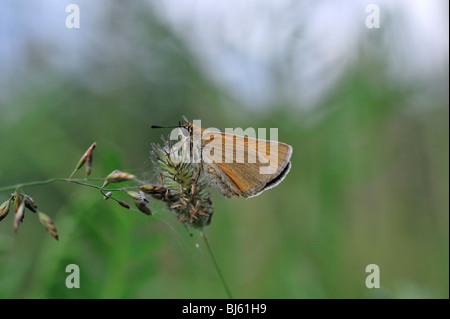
(160, 126)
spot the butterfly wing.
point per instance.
(244, 166)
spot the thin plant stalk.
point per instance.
(68, 180)
(216, 265)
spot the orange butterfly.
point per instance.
(236, 165)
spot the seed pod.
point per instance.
(86, 156)
(19, 215)
(137, 196)
(90, 158)
(17, 204)
(123, 204)
(48, 224)
(140, 201)
(134, 195)
(4, 209)
(142, 206)
(148, 189)
(30, 204)
(153, 189)
(89, 166)
(107, 195)
(158, 192)
(117, 177)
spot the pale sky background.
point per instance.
(238, 43)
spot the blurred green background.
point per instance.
(366, 111)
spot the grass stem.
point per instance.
(216, 265)
(52, 180)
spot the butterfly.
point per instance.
(237, 165)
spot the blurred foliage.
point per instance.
(369, 182)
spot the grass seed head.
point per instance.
(184, 194)
(48, 224)
(20, 214)
(117, 177)
(4, 209)
(30, 203)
